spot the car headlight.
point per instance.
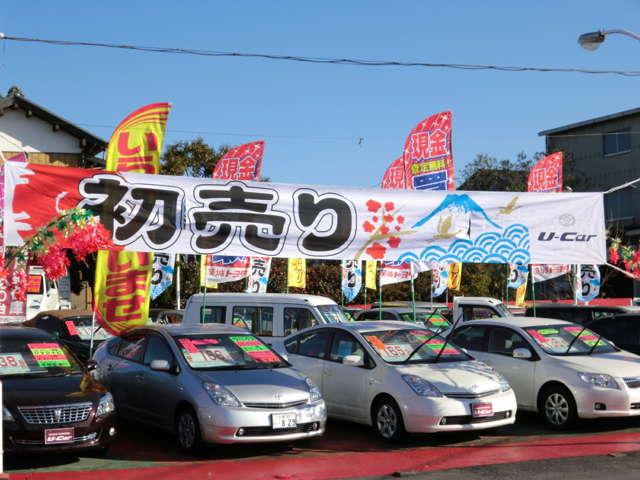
(601, 380)
(314, 391)
(221, 396)
(6, 415)
(421, 387)
(504, 384)
(105, 406)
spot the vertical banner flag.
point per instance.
(394, 176)
(370, 275)
(297, 273)
(259, 270)
(587, 283)
(427, 157)
(546, 175)
(541, 273)
(216, 269)
(439, 279)
(162, 277)
(520, 294)
(455, 276)
(122, 280)
(396, 272)
(241, 163)
(351, 279)
(517, 275)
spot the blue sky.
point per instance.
(312, 116)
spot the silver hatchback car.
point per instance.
(210, 383)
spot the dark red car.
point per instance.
(50, 403)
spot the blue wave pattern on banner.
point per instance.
(508, 246)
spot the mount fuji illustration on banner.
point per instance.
(478, 238)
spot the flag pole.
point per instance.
(379, 298)
(507, 284)
(178, 300)
(93, 329)
(533, 294)
(413, 296)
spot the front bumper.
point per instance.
(427, 414)
(19, 439)
(254, 425)
(594, 402)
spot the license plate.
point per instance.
(283, 420)
(53, 436)
(481, 410)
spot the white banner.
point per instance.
(540, 273)
(259, 270)
(156, 213)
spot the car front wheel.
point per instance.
(387, 420)
(558, 408)
(188, 431)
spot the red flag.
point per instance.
(546, 175)
(427, 157)
(241, 163)
(394, 175)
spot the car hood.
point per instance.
(617, 364)
(470, 377)
(75, 388)
(278, 385)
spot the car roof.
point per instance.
(522, 322)
(571, 306)
(401, 309)
(181, 329)
(66, 313)
(15, 332)
(264, 297)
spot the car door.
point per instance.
(519, 372)
(126, 374)
(472, 338)
(161, 389)
(345, 386)
(309, 352)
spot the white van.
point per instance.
(42, 292)
(271, 316)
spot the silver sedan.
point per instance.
(211, 383)
(399, 378)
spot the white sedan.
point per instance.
(400, 378)
(560, 369)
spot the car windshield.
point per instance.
(433, 321)
(396, 346)
(556, 339)
(227, 352)
(81, 327)
(37, 357)
(332, 313)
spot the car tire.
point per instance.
(558, 408)
(188, 431)
(387, 420)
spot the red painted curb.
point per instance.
(333, 466)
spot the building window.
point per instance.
(616, 142)
(618, 206)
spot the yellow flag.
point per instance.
(455, 276)
(123, 279)
(203, 273)
(297, 273)
(520, 294)
(370, 274)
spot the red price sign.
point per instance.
(33, 284)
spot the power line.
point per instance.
(320, 60)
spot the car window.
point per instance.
(603, 313)
(478, 313)
(504, 341)
(114, 345)
(314, 344)
(215, 314)
(132, 348)
(344, 344)
(157, 349)
(471, 338)
(368, 315)
(291, 345)
(297, 319)
(258, 320)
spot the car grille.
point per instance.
(471, 395)
(468, 419)
(56, 414)
(635, 406)
(275, 405)
(84, 438)
(632, 382)
(270, 432)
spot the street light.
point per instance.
(592, 40)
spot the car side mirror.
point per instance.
(522, 353)
(160, 365)
(353, 361)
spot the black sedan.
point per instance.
(50, 403)
(623, 330)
